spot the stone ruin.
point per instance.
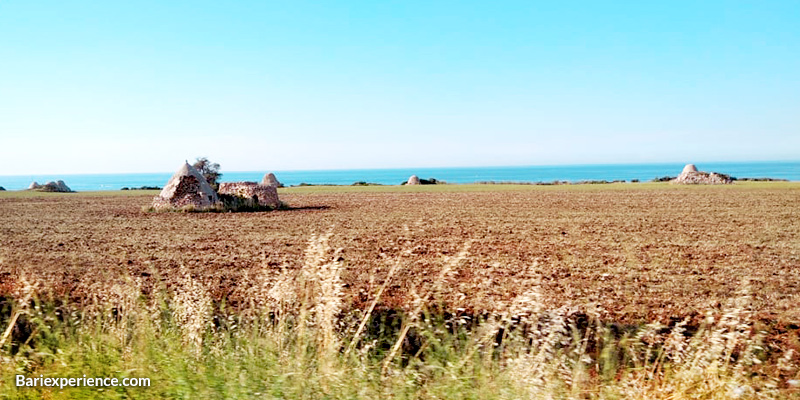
(264, 195)
(187, 187)
(57, 186)
(691, 176)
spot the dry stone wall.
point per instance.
(267, 194)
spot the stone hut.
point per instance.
(187, 187)
(691, 176)
(265, 195)
(413, 180)
(271, 180)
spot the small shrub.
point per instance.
(759, 179)
(431, 181)
(209, 170)
(663, 179)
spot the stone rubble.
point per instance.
(691, 176)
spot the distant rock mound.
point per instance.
(52, 186)
(271, 180)
(264, 195)
(2, 189)
(691, 176)
(415, 180)
(187, 187)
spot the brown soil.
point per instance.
(641, 255)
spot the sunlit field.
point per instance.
(446, 291)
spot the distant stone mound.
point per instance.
(52, 186)
(187, 187)
(415, 180)
(271, 180)
(2, 189)
(263, 195)
(691, 176)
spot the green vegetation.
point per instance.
(142, 188)
(26, 194)
(528, 187)
(364, 183)
(209, 170)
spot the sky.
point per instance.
(116, 87)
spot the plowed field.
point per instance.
(641, 252)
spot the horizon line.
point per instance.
(431, 167)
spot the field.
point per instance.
(631, 253)
(640, 252)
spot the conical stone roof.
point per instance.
(270, 180)
(187, 187)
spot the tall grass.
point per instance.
(294, 340)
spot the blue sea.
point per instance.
(572, 173)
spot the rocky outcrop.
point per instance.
(52, 186)
(2, 189)
(413, 180)
(186, 188)
(271, 180)
(263, 195)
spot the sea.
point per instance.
(789, 170)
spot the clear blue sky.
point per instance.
(97, 86)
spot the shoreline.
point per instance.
(467, 175)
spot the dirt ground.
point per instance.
(639, 252)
